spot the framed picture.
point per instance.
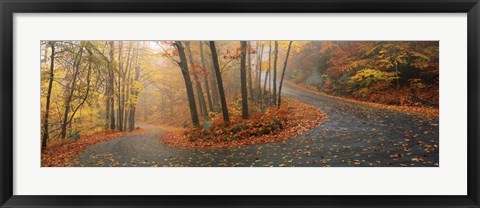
(245, 104)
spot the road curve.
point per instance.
(354, 135)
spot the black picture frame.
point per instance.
(9, 7)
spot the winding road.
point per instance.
(353, 135)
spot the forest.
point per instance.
(247, 97)
(394, 73)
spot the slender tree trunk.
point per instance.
(218, 75)
(201, 98)
(107, 105)
(188, 83)
(121, 86)
(271, 76)
(268, 71)
(127, 106)
(275, 59)
(249, 73)
(214, 86)
(49, 94)
(125, 88)
(253, 93)
(259, 81)
(68, 101)
(111, 87)
(87, 91)
(209, 97)
(136, 91)
(243, 80)
(206, 79)
(133, 105)
(255, 90)
(283, 74)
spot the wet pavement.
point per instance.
(354, 135)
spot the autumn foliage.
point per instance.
(292, 118)
(401, 73)
(221, 94)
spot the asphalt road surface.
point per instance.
(354, 135)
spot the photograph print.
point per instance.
(239, 103)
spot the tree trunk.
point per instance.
(243, 80)
(131, 124)
(206, 79)
(218, 75)
(107, 104)
(283, 74)
(275, 59)
(214, 86)
(268, 70)
(201, 98)
(49, 94)
(111, 88)
(257, 60)
(188, 83)
(76, 67)
(271, 76)
(249, 73)
(133, 106)
(126, 87)
(259, 81)
(121, 87)
(87, 91)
